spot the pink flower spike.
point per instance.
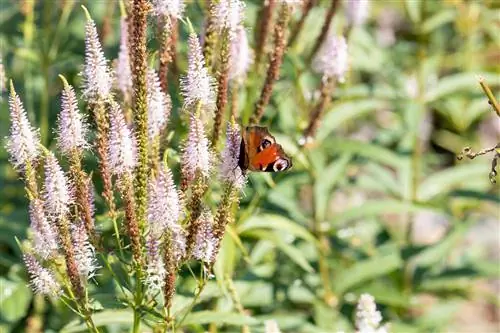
(241, 55)
(42, 280)
(97, 80)
(197, 85)
(22, 144)
(71, 127)
(155, 271)
(229, 169)
(84, 251)
(174, 8)
(205, 242)
(332, 59)
(57, 192)
(196, 156)
(164, 207)
(45, 236)
(159, 105)
(123, 73)
(122, 146)
(357, 11)
(228, 14)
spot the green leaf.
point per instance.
(226, 259)
(437, 20)
(15, 298)
(458, 82)
(292, 252)
(378, 207)
(344, 112)
(371, 151)
(367, 270)
(446, 284)
(325, 181)
(386, 293)
(124, 317)
(230, 318)
(414, 10)
(435, 253)
(277, 223)
(442, 182)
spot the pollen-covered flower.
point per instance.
(71, 127)
(85, 258)
(22, 144)
(229, 169)
(42, 280)
(197, 85)
(196, 157)
(97, 81)
(241, 55)
(164, 207)
(332, 59)
(57, 192)
(173, 8)
(228, 14)
(159, 105)
(367, 317)
(123, 73)
(357, 11)
(44, 235)
(205, 242)
(155, 270)
(122, 146)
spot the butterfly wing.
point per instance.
(260, 152)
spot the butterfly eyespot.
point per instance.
(280, 165)
(265, 143)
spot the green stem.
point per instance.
(490, 95)
(201, 287)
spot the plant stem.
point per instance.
(138, 52)
(201, 287)
(492, 100)
(273, 71)
(326, 27)
(309, 4)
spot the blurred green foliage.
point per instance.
(379, 204)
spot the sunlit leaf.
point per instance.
(15, 298)
(366, 270)
(123, 317)
(293, 253)
(277, 223)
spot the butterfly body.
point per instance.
(260, 152)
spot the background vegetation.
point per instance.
(378, 204)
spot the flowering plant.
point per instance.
(144, 214)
